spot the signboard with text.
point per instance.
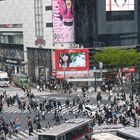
(63, 21)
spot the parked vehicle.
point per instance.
(90, 110)
(21, 80)
(4, 79)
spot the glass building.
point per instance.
(106, 23)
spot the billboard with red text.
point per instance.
(72, 59)
(63, 20)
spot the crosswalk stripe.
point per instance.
(12, 137)
(64, 109)
(20, 137)
(24, 134)
(13, 109)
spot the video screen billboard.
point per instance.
(119, 5)
(74, 59)
(63, 20)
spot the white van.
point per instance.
(4, 79)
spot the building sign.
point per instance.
(11, 61)
(119, 5)
(63, 20)
(131, 70)
(40, 41)
(11, 26)
(74, 74)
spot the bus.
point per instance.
(4, 79)
(73, 129)
(105, 136)
(129, 133)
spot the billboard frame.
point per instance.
(69, 51)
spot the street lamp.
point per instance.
(65, 59)
(94, 68)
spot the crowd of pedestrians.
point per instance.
(123, 108)
(7, 129)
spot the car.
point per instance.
(90, 110)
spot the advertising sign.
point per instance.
(131, 70)
(72, 59)
(119, 5)
(63, 20)
(67, 74)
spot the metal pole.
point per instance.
(101, 74)
(64, 79)
(95, 80)
(132, 83)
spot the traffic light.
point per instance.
(92, 61)
(138, 48)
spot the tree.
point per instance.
(116, 57)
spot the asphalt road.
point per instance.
(9, 115)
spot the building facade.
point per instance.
(105, 23)
(28, 36)
(31, 29)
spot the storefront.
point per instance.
(11, 58)
(12, 66)
(39, 64)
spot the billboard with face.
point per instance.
(63, 20)
(119, 5)
(77, 59)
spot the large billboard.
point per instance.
(119, 5)
(63, 21)
(72, 59)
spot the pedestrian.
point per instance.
(55, 114)
(57, 120)
(110, 95)
(30, 130)
(38, 126)
(43, 115)
(48, 125)
(99, 98)
(29, 108)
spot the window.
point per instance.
(49, 24)
(11, 38)
(46, 137)
(77, 132)
(47, 8)
(119, 15)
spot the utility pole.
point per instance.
(95, 86)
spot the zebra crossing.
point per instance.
(64, 110)
(13, 109)
(24, 135)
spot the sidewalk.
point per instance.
(13, 90)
